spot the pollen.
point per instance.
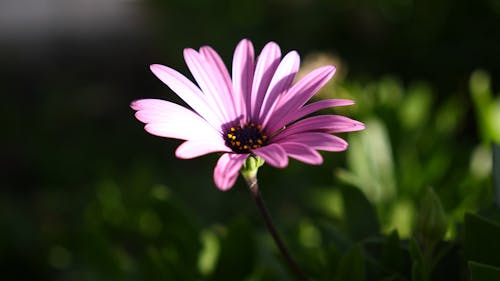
(245, 137)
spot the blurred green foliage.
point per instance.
(88, 195)
(406, 183)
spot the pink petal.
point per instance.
(274, 154)
(210, 84)
(317, 140)
(308, 109)
(323, 123)
(301, 92)
(266, 66)
(167, 119)
(227, 169)
(195, 148)
(302, 153)
(176, 130)
(243, 67)
(280, 83)
(188, 92)
(220, 76)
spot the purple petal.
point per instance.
(266, 66)
(167, 119)
(317, 140)
(302, 153)
(301, 92)
(274, 154)
(322, 123)
(280, 83)
(176, 130)
(306, 110)
(203, 73)
(227, 169)
(188, 92)
(220, 77)
(243, 68)
(195, 148)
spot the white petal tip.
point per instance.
(156, 67)
(135, 105)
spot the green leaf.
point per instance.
(483, 272)
(487, 109)
(416, 271)
(431, 222)
(370, 161)
(209, 253)
(352, 265)
(480, 240)
(418, 259)
(333, 235)
(361, 217)
(393, 256)
(415, 108)
(332, 257)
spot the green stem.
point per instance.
(254, 189)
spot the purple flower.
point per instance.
(257, 112)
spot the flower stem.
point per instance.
(254, 189)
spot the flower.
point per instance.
(257, 112)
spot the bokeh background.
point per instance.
(88, 195)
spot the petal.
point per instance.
(274, 154)
(195, 148)
(183, 131)
(322, 123)
(209, 83)
(220, 77)
(188, 92)
(227, 169)
(155, 110)
(308, 109)
(319, 141)
(301, 92)
(243, 67)
(167, 119)
(266, 66)
(280, 83)
(302, 153)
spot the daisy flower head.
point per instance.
(254, 111)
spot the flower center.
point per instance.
(243, 138)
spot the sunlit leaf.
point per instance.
(415, 109)
(209, 253)
(371, 162)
